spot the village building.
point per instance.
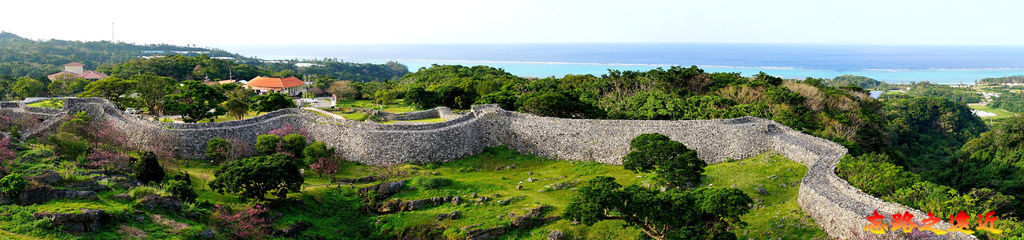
(76, 70)
(291, 86)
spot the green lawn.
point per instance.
(357, 116)
(426, 120)
(1000, 113)
(225, 118)
(779, 215)
(487, 174)
(398, 106)
(49, 103)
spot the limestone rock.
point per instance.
(47, 178)
(530, 219)
(556, 235)
(123, 197)
(208, 234)
(487, 233)
(89, 220)
(384, 189)
(156, 201)
(42, 194)
(761, 191)
(453, 215)
(88, 185)
(293, 230)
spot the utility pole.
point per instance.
(111, 32)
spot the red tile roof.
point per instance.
(87, 74)
(275, 83)
(74, 64)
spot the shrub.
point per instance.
(255, 177)
(69, 146)
(6, 154)
(253, 223)
(68, 170)
(198, 210)
(316, 151)
(875, 175)
(293, 144)
(143, 191)
(432, 183)
(148, 169)
(321, 159)
(107, 133)
(267, 144)
(218, 150)
(181, 189)
(77, 124)
(15, 133)
(109, 160)
(13, 184)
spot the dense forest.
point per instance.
(920, 136)
(860, 81)
(959, 95)
(21, 57)
(25, 58)
(845, 115)
(1011, 101)
(1001, 80)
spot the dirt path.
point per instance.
(325, 112)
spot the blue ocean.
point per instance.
(894, 64)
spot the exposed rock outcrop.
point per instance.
(41, 194)
(397, 205)
(384, 189)
(156, 201)
(46, 178)
(89, 220)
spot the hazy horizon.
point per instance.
(223, 24)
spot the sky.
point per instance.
(214, 23)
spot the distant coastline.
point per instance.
(894, 64)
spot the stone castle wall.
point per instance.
(837, 207)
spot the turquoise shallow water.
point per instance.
(937, 64)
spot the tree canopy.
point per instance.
(674, 164)
(195, 101)
(255, 177)
(704, 213)
(110, 88)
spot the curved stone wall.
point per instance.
(837, 207)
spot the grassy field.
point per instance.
(49, 103)
(496, 172)
(335, 210)
(398, 106)
(426, 120)
(777, 215)
(225, 118)
(1000, 113)
(357, 116)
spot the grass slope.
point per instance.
(496, 172)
